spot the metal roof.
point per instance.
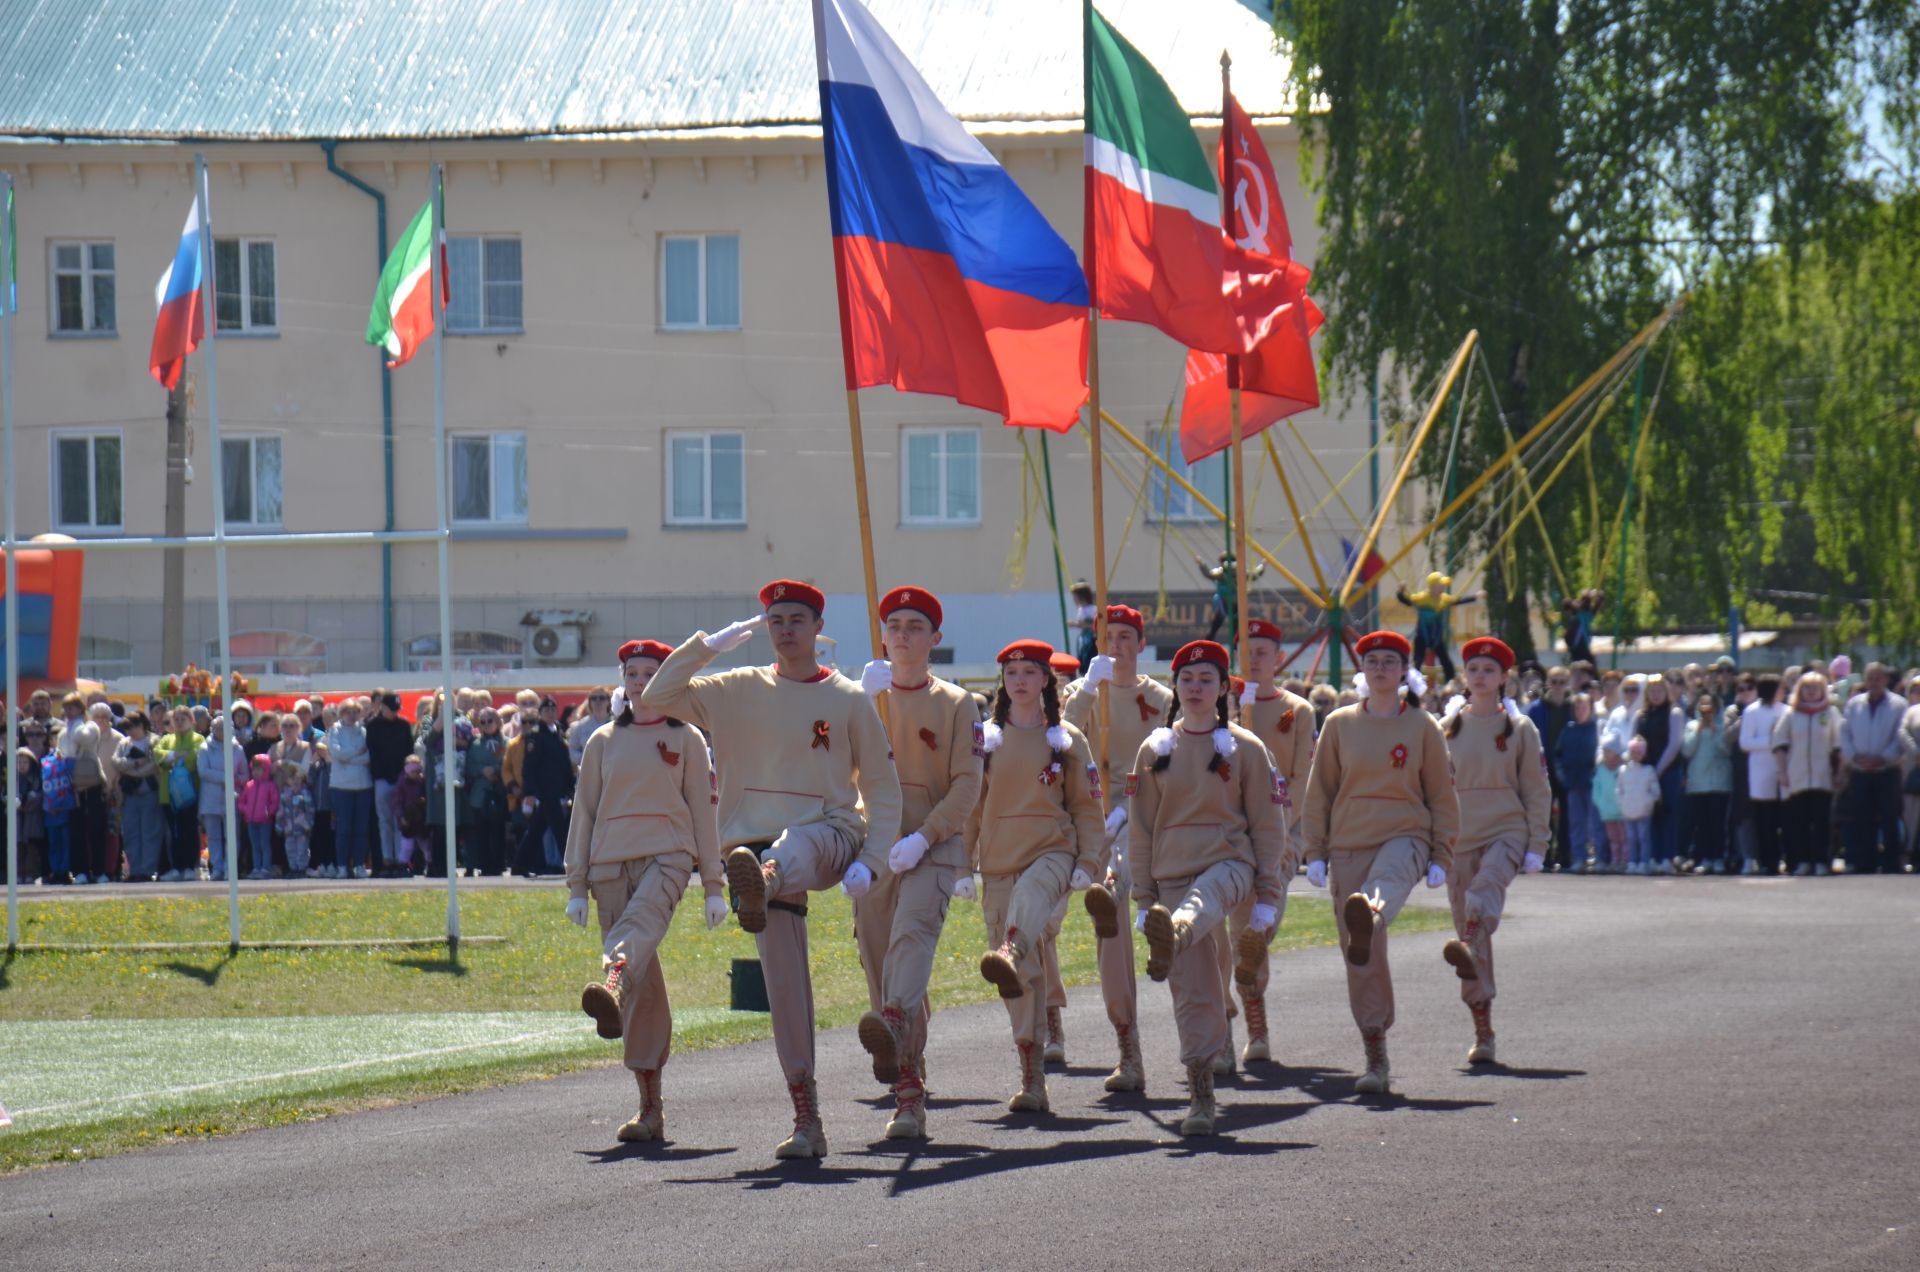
(304, 70)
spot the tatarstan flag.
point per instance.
(1156, 253)
(402, 316)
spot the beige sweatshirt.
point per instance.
(1502, 784)
(1136, 711)
(789, 753)
(1190, 817)
(644, 791)
(1378, 778)
(1020, 817)
(1285, 723)
(932, 731)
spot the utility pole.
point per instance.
(173, 571)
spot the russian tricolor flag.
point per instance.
(179, 323)
(951, 282)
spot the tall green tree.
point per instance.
(1553, 174)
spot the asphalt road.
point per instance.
(1703, 1074)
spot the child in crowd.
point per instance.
(1638, 791)
(319, 786)
(259, 801)
(410, 814)
(33, 826)
(295, 821)
(57, 802)
(1610, 855)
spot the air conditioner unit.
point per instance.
(555, 636)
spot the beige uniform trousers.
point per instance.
(1016, 907)
(1199, 996)
(635, 903)
(1388, 874)
(897, 927)
(1114, 957)
(812, 858)
(1242, 918)
(1477, 887)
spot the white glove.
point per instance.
(1250, 695)
(1081, 882)
(1116, 819)
(1264, 917)
(1317, 873)
(1099, 671)
(619, 700)
(1140, 921)
(856, 881)
(906, 854)
(716, 911)
(876, 675)
(734, 635)
(963, 888)
(577, 911)
(1436, 875)
(1532, 863)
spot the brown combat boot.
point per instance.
(601, 1000)
(1359, 915)
(1374, 1080)
(650, 1122)
(1131, 1073)
(1056, 1052)
(809, 1138)
(1460, 952)
(881, 1033)
(1032, 1095)
(1482, 1050)
(1200, 1107)
(1257, 1045)
(909, 1119)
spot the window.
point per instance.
(484, 273)
(103, 658)
(83, 289)
(490, 478)
(251, 467)
(940, 477)
(243, 285)
(1170, 502)
(86, 481)
(700, 282)
(706, 479)
(476, 651)
(272, 652)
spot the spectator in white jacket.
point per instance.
(1806, 737)
(213, 785)
(1637, 788)
(351, 791)
(1763, 776)
(1870, 741)
(1617, 728)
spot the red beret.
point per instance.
(913, 598)
(789, 590)
(1488, 647)
(1239, 686)
(1392, 642)
(1127, 614)
(1065, 664)
(1261, 629)
(1201, 651)
(644, 649)
(1036, 651)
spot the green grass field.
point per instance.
(105, 1051)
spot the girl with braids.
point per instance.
(1208, 833)
(1379, 813)
(643, 818)
(1036, 834)
(1506, 823)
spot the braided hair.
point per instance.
(1221, 721)
(1454, 724)
(1049, 699)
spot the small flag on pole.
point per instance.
(178, 323)
(1373, 565)
(13, 268)
(402, 316)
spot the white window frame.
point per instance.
(252, 442)
(703, 324)
(88, 272)
(706, 518)
(487, 326)
(248, 327)
(1165, 495)
(100, 668)
(945, 520)
(92, 436)
(493, 441)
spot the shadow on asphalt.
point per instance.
(440, 964)
(653, 1151)
(928, 1165)
(1506, 1071)
(207, 976)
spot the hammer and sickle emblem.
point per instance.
(1248, 183)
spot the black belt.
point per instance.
(760, 851)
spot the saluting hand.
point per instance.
(734, 635)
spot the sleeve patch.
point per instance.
(1281, 793)
(1133, 785)
(1093, 781)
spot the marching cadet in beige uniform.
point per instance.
(643, 819)
(897, 923)
(1207, 835)
(1036, 835)
(1136, 706)
(1284, 722)
(1506, 823)
(1379, 812)
(1066, 680)
(800, 754)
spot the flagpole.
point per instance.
(228, 743)
(1233, 376)
(13, 572)
(1088, 244)
(436, 276)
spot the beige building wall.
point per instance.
(596, 385)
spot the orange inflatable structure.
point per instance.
(49, 610)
